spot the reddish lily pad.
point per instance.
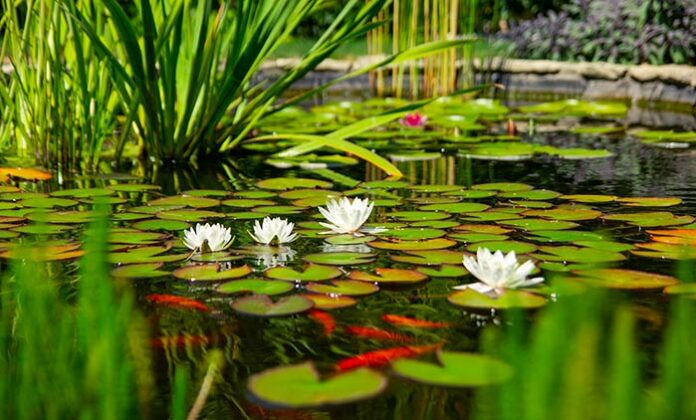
(492, 229)
(312, 272)
(468, 298)
(665, 251)
(343, 287)
(389, 276)
(328, 302)
(262, 305)
(625, 279)
(414, 234)
(210, 272)
(257, 286)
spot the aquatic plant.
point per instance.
(497, 272)
(415, 119)
(208, 238)
(347, 216)
(273, 230)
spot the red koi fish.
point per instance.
(375, 333)
(325, 319)
(413, 322)
(178, 301)
(379, 358)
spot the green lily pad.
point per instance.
(247, 215)
(308, 390)
(503, 186)
(48, 203)
(210, 272)
(312, 272)
(77, 217)
(665, 251)
(413, 234)
(126, 217)
(262, 305)
(292, 183)
(439, 243)
(83, 192)
(189, 215)
(468, 298)
(146, 254)
(340, 258)
(134, 187)
(564, 214)
(434, 188)
(504, 246)
(535, 195)
(206, 193)
(136, 238)
(387, 185)
(434, 224)
(456, 207)
(158, 224)
(343, 287)
(436, 257)
(625, 279)
(254, 194)
(328, 302)
(589, 198)
(22, 195)
(389, 276)
(276, 209)
(257, 286)
(575, 254)
(651, 219)
(455, 369)
(349, 239)
(531, 204)
(565, 236)
(6, 234)
(444, 271)
(578, 153)
(418, 216)
(650, 201)
(44, 253)
(539, 224)
(605, 245)
(42, 229)
(470, 194)
(681, 289)
(476, 237)
(140, 271)
(246, 202)
(185, 201)
(216, 257)
(490, 216)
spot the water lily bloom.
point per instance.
(498, 272)
(208, 238)
(346, 216)
(270, 230)
(414, 120)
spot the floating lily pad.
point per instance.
(605, 245)
(625, 279)
(58, 252)
(539, 224)
(435, 224)
(262, 305)
(291, 183)
(134, 187)
(503, 186)
(490, 216)
(531, 195)
(124, 217)
(564, 214)
(418, 216)
(429, 257)
(665, 251)
(349, 239)
(158, 224)
(48, 202)
(509, 299)
(565, 236)
(439, 243)
(455, 369)
(257, 286)
(140, 271)
(343, 287)
(470, 194)
(83, 192)
(444, 271)
(328, 302)
(531, 204)
(651, 219)
(42, 229)
(246, 202)
(247, 215)
(389, 276)
(77, 217)
(6, 234)
(185, 201)
(504, 246)
(312, 272)
(589, 198)
(146, 254)
(387, 185)
(254, 194)
(308, 390)
(189, 215)
(136, 238)
(456, 207)
(650, 201)
(340, 258)
(578, 255)
(276, 209)
(219, 256)
(681, 289)
(210, 272)
(28, 174)
(476, 237)
(434, 188)
(414, 234)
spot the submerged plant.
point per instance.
(347, 216)
(272, 230)
(208, 238)
(498, 272)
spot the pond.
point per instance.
(562, 184)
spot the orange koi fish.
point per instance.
(375, 333)
(379, 358)
(178, 301)
(413, 322)
(324, 318)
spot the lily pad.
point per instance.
(146, 254)
(48, 203)
(455, 369)
(44, 253)
(246, 202)
(158, 224)
(456, 207)
(42, 229)
(665, 251)
(349, 239)
(429, 257)
(650, 219)
(503, 186)
(504, 246)
(185, 201)
(531, 195)
(77, 217)
(210, 272)
(444, 271)
(625, 279)
(262, 305)
(292, 183)
(439, 243)
(343, 287)
(650, 201)
(340, 258)
(589, 198)
(257, 286)
(578, 255)
(389, 276)
(308, 390)
(564, 214)
(418, 216)
(312, 272)
(189, 215)
(328, 302)
(83, 192)
(565, 236)
(476, 237)
(134, 187)
(414, 234)
(539, 224)
(140, 271)
(509, 299)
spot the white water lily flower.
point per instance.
(498, 272)
(270, 229)
(208, 238)
(346, 216)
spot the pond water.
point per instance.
(566, 211)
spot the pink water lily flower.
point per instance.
(415, 119)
